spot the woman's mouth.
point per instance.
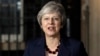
(51, 28)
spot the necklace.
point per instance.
(52, 52)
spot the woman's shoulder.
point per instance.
(72, 41)
(76, 46)
(34, 41)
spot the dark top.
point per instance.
(68, 47)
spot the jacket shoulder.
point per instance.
(76, 47)
(33, 41)
(73, 41)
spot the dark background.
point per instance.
(32, 28)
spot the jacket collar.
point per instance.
(63, 49)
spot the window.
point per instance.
(9, 16)
(11, 26)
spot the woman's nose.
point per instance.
(51, 21)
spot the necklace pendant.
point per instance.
(52, 52)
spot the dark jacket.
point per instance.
(68, 47)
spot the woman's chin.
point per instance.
(51, 34)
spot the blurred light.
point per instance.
(18, 5)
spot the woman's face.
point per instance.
(51, 24)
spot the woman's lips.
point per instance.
(51, 28)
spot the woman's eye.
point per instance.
(56, 18)
(46, 18)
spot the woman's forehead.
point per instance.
(54, 14)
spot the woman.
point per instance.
(51, 19)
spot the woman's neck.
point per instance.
(52, 42)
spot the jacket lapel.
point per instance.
(39, 48)
(64, 49)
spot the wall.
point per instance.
(90, 26)
(94, 28)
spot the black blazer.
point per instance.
(68, 47)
